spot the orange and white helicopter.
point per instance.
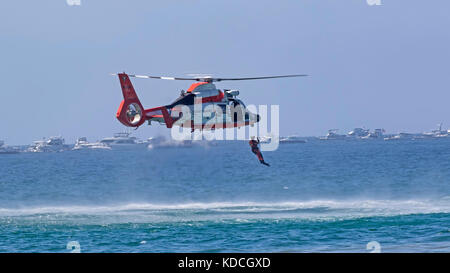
(131, 113)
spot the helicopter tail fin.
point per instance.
(130, 112)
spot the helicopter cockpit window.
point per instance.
(185, 99)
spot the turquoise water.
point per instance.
(320, 196)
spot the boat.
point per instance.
(7, 150)
(83, 144)
(121, 140)
(53, 144)
(436, 133)
(358, 133)
(332, 135)
(400, 136)
(161, 141)
(292, 139)
(265, 139)
(376, 134)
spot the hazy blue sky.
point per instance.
(375, 66)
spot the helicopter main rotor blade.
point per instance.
(164, 78)
(211, 79)
(258, 78)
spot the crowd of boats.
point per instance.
(7, 149)
(362, 133)
(124, 139)
(119, 140)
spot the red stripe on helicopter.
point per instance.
(217, 98)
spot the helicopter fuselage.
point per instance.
(202, 106)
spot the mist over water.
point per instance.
(341, 193)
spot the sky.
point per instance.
(375, 66)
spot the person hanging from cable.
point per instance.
(254, 145)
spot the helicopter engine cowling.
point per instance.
(232, 93)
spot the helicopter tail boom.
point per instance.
(159, 114)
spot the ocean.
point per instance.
(319, 196)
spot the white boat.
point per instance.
(333, 135)
(7, 150)
(265, 139)
(436, 133)
(53, 144)
(83, 144)
(400, 136)
(378, 133)
(121, 139)
(358, 133)
(292, 139)
(161, 141)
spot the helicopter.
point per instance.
(131, 113)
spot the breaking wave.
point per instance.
(308, 210)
